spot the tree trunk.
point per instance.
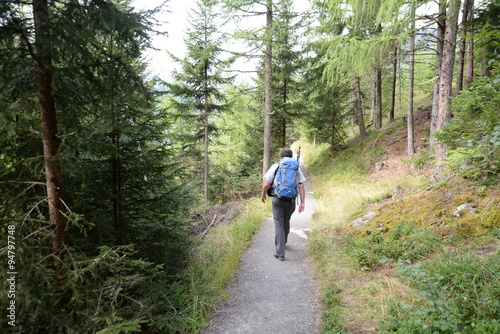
(373, 111)
(115, 166)
(461, 49)
(393, 88)
(51, 142)
(411, 140)
(268, 87)
(359, 108)
(469, 47)
(205, 139)
(441, 27)
(285, 113)
(446, 77)
(378, 98)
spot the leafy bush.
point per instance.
(456, 293)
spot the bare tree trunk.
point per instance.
(51, 142)
(115, 171)
(446, 78)
(461, 49)
(378, 98)
(469, 47)
(359, 108)
(285, 113)
(411, 140)
(441, 27)
(393, 88)
(268, 89)
(205, 139)
(373, 112)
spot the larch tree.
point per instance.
(370, 30)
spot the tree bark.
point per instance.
(115, 170)
(441, 27)
(359, 108)
(469, 47)
(411, 76)
(462, 46)
(205, 139)
(393, 88)
(378, 99)
(285, 112)
(268, 87)
(51, 143)
(373, 111)
(446, 77)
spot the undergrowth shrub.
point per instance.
(406, 243)
(455, 293)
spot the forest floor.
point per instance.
(271, 296)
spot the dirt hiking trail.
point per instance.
(272, 296)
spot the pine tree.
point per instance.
(103, 133)
(198, 85)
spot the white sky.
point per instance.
(174, 21)
(174, 17)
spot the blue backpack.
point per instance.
(287, 179)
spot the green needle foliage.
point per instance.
(125, 203)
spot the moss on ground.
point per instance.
(454, 208)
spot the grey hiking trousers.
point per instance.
(282, 211)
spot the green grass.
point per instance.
(444, 285)
(218, 259)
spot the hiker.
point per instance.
(284, 196)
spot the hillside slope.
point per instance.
(400, 246)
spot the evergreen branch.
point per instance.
(25, 182)
(94, 64)
(23, 220)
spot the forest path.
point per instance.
(272, 296)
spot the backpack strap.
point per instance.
(270, 191)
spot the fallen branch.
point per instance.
(208, 227)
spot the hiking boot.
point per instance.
(281, 258)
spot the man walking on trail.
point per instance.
(284, 204)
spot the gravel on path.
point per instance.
(272, 296)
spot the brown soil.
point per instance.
(396, 146)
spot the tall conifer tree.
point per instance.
(198, 85)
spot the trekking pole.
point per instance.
(298, 158)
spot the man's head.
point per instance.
(286, 152)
